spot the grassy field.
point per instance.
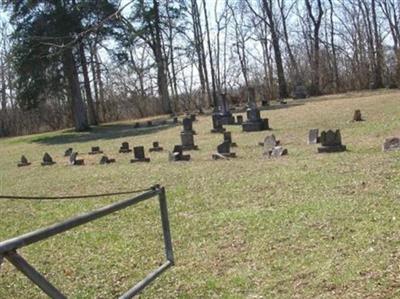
(306, 225)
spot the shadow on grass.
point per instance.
(106, 132)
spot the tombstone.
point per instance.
(24, 162)
(95, 150)
(193, 117)
(239, 119)
(74, 161)
(331, 142)
(313, 136)
(269, 142)
(125, 148)
(105, 160)
(175, 120)
(187, 140)
(228, 138)
(299, 92)
(136, 125)
(156, 147)
(265, 103)
(47, 160)
(217, 124)
(254, 121)
(276, 151)
(391, 144)
(149, 123)
(188, 126)
(138, 152)
(357, 115)
(224, 151)
(177, 154)
(68, 152)
(225, 115)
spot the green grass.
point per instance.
(303, 226)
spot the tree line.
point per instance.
(78, 63)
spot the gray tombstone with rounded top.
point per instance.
(331, 141)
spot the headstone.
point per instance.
(136, 125)
(277, 151)
(95, 150)
(175, 120)
(357, 116)
(391, 144)
(47, 160)
(217, 124)
(125, 148)
(228, 138)
(264, 103)
(331, 142)
(188, 126)
(300, 92)
(177, 154)
(225, 115)
(313, 136)
(156, 147)
(254, 121)
(193, 117)
(68, 152)
(138, 152)
(187, 139)
(105, 160)
(24, 162)
(73, 159)
(223, 151)
(269, 142)
(149, 123)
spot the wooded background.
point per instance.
(79, 63)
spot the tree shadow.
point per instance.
(107, 132)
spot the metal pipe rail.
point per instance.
(8, 248)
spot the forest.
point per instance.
(71, 63)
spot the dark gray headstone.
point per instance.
(156, 147)
(357, 116)
(391, 144)
(24, 162)
(125, 148)
(331, 142)
(139, 156)
(187, 125)
(47, 160)
(313, 136)
(187, 139)
(68, 152)
(177, 154)
(105, 160)
(217, 124)
(95, 150)
(73, 159)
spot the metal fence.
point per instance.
(8, 248)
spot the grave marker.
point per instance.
(24, 162)
(95, 150)
(125, 148)
(138, 152)
(156, 147)
(47, 160)
(331, 142)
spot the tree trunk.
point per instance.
(78, 107)
(93, 119)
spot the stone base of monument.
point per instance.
(253, 126)
(140, 160)
(177, 154)
(219, 156)
(332, 149)
(190, 147)
(23, 164)
(125, 150)
(277, 151)
(227, 119)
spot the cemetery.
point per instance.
(320, 220)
